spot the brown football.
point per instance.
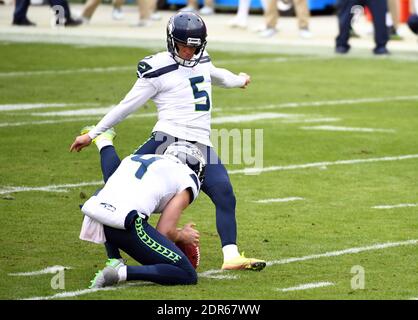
(192, 252)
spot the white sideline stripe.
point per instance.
(86, 112)
(270, 60)
(77, 112)
(76, 293)
(402, 205)
(40, 122)
(252, 117)
(308, 286)
(378, 246)
(321, 164)
(328, 103)
(51, 188)
(313, 120)
(53, 269)
(56, 72)
(26, 106)
(279, 200)
(347, 129)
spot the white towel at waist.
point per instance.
(92, 231)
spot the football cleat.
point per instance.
(109, 134)
(243, 263)
(108, 276)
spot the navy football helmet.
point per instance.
(188, 29)
(189, 155)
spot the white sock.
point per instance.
(230, 251)
(101, 143)
(123, 273)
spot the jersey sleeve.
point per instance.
(190, 181)
(141, 92)
(224, 78)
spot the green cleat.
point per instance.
(108, 135)
(108, 276)
(243, 263)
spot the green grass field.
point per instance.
(40, 227)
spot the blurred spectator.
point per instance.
(271, 15)
(193, 6)
(146, 11)
(241, 18)
(392, 20)
(92, 5)
(345, 14)
(21, 8)
(413, 19)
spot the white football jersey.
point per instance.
(144, 183)
(183, 96)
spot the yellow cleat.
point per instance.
(243, 263)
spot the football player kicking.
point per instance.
(179, 81)
(118, 214)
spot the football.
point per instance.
(192, 252)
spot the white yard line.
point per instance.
(347, 129)
(378, 246)
(307, 286)
(312, 120)
(27, 106)
(252, 117)
(279, 200)
(321, 164)
(81, 119)
(47, 270)
(327, 103)
(41, 122)
(87, 112)
(70, 294)
(50, 188)
(68, 71)
(402, 205)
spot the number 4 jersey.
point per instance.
(183, 96)
(144, 183)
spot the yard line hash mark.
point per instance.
(322, 164)
(307, 286)
(347, 129)
(279, 200)
(401, 205)
(47, 270)
(28, 106)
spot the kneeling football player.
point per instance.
(117, 216)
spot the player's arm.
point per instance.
(140, 93)
(225, 78)
(167, 224)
